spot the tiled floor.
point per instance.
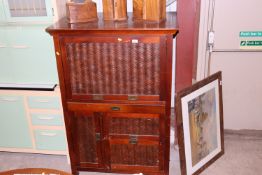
(243, 156)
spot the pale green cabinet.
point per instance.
(26, 50)
(44, 102)
(32, 121)
(14, 129)
(5, 58)
(50, 140)
(2, 14)
(28, 55)
(26, 10)
(40, 119)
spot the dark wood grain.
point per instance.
(115, 77)
(169, 26)
(34, 171)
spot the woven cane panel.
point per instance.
(136, 126)
(134, 154)
(114, 68)
(86, 141)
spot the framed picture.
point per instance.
(199, 119)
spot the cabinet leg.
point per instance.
(75, 172)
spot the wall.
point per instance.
(241, 69)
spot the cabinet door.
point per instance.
(6, 74)
(135, 142)
(87, 139)
(132, 136)
(14, 129)
(114, 67)
(2, 14)
(28, 10)
(31, 55)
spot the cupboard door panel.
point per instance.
(32, 61)
(134, 141)
(6, 72)
(14, 128)
(28, 10)
(146, 155)
(135, 153)
(112, 65)
(136, 124)
(87, 139)
(50, 140)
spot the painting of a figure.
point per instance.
(200, 127)
(203, 125)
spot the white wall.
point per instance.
(241, 71)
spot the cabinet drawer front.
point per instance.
(135, 124)
(47, 119)
(158, 108)
(142, 151)
(44, 102)
(50, 140)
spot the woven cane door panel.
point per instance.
(136, 124)
(113, 68)
(131, 155)
(87, 145)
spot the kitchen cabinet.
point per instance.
(32, 121)
(14, 129)
(27, 60)
(26, 50)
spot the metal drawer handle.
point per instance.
(98, 136)
(48, 134)
(20, 47)
(45, 118)
(115, 108)
(133, 139)
(42, 101)
(9, 99)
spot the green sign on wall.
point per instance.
(250, 34)
(250, 43)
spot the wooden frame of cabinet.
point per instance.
(113, 72)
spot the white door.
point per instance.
(234, 46)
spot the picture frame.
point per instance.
(199, 124)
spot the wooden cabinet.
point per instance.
(115, 79)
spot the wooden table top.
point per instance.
(36, 171)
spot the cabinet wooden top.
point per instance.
(130, 26)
